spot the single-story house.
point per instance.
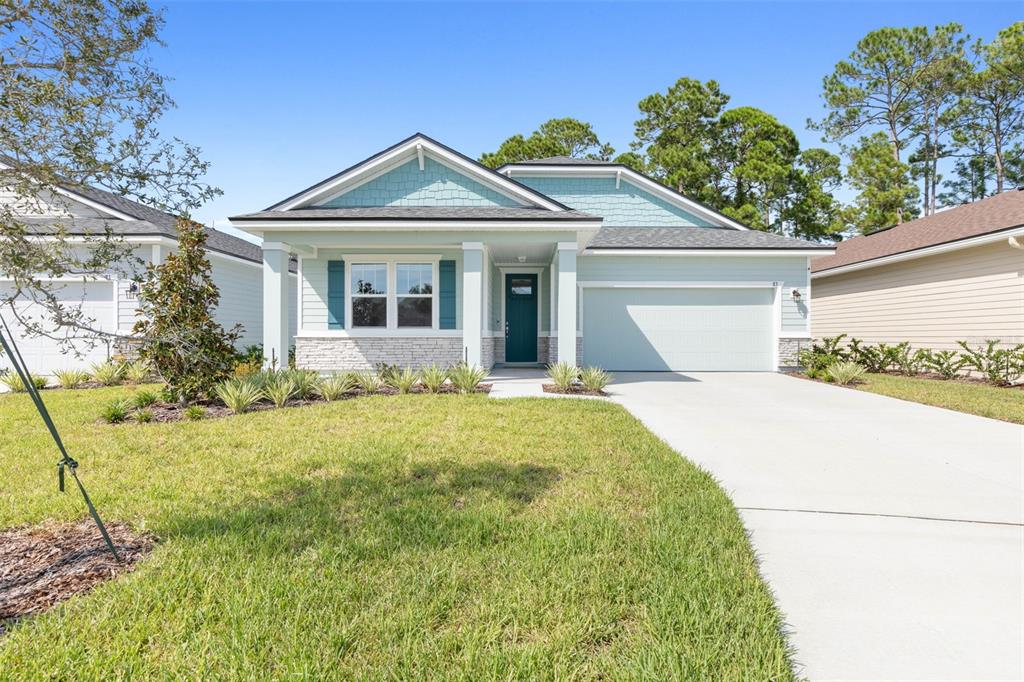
(111, 301)
(955, 275)
(421, 255)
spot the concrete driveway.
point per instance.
(892, 533)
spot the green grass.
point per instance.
(410, 537)
(974, 398)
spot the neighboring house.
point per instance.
(955, 275)
(111, 301)
(421, 255)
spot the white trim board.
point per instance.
(612, 284)
(757, 253)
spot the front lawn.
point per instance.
(408, 537)
(971, 397)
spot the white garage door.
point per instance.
(636, 329)
(44, 355)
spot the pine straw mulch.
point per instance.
(41, 566)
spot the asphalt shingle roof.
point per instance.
(563, 161)
(1000, 212)
(418, 213)
(695, 238)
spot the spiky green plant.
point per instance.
(239, 395)
(594, 379)
(334, 386)
(144, 399)
(844, 372)
(137, 372)
(115, 411)
(564, 375)
(404, 380)
(13, 381)
(71, 378)
(281, 391)
(108, 373)
(466, 378)
(194, 413)
(432, 378)
(306, 382)
(143, 416)
(369, 382)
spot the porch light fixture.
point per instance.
(521, 259)
(797, 295)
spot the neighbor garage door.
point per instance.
(680, 329)
(44, 355)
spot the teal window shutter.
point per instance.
(446, 294)
(335, 294)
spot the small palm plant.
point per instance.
(239, 395)
(594, 379)
(466, 378)
(433, 377)
(281, 391)
(334, 386)
(71, 378)
(137, 372)
(405, 380)
(564, 375)
(844, 373)
(108, 373)
(369, 382)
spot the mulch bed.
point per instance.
(41, 566)
(575, 390)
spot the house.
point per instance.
(421, 255)
(111, 301)
(954, 275)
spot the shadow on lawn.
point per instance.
(373, 508)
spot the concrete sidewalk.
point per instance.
(892, 533)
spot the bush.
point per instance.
(594, 379)
(906, 360)
(334, 386)
(564, 375)
(466, 378)
(144, 399)
(405, 380)
(115, 411)
(946, 363)
(194, 413)
(305, 381)
(108, 373)
(137, 372)
(13, 381)
(844, 372)
(239, 395)
(246, 368)
(280, 391)
(433, 377)
(1001, 366)
(387, 373)
(71, 378)
(144, 416)
(369, 382)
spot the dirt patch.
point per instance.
(41, 566)
(575, 390)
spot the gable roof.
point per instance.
(416, 145)
(698, 238)
(448, 213)
(564, 161)
(991, 215)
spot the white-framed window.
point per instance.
(392, 292)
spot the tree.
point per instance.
(79, 105)
(812, 212)
(885, 84)
(886, 195)
(1006, 53)
(555, 137)
(179, 337)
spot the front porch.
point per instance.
(424, 299)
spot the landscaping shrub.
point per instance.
(144, 399)
(844, 372)
(368, 382)
(239, 395)
(71, 378)
(563, 375)
(305, 381)
(143, 416)
(1001, 366)
(108, 373)
(387, 373)
(137, 372)
(433, 377)
(13, 381)
(334, 386)
(194, 413)
(280, 391)
(115, 411)
(405, 380)
(466, 378)
(946, 363)
(594, 378)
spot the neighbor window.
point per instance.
(370, 295)
(415, 294)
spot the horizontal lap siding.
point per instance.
(791, 271)
(931, 302)
(241, 298)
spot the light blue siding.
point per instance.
(435, 185)
(628, 206)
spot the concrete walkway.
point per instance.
(892, 533)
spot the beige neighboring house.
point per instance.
(955, 275)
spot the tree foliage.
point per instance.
(179, 337)
(555, 137)
(884, 190)
(79, 106)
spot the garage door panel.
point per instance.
(678, 329)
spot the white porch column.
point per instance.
(565, 259)
(276, 337)
(472, 302)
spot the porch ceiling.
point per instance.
(529, 253)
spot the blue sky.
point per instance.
(282, 94)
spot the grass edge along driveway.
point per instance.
(411, 537)
(984, 400)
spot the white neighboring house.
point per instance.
(111, 301)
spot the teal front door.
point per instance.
(520, 318)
